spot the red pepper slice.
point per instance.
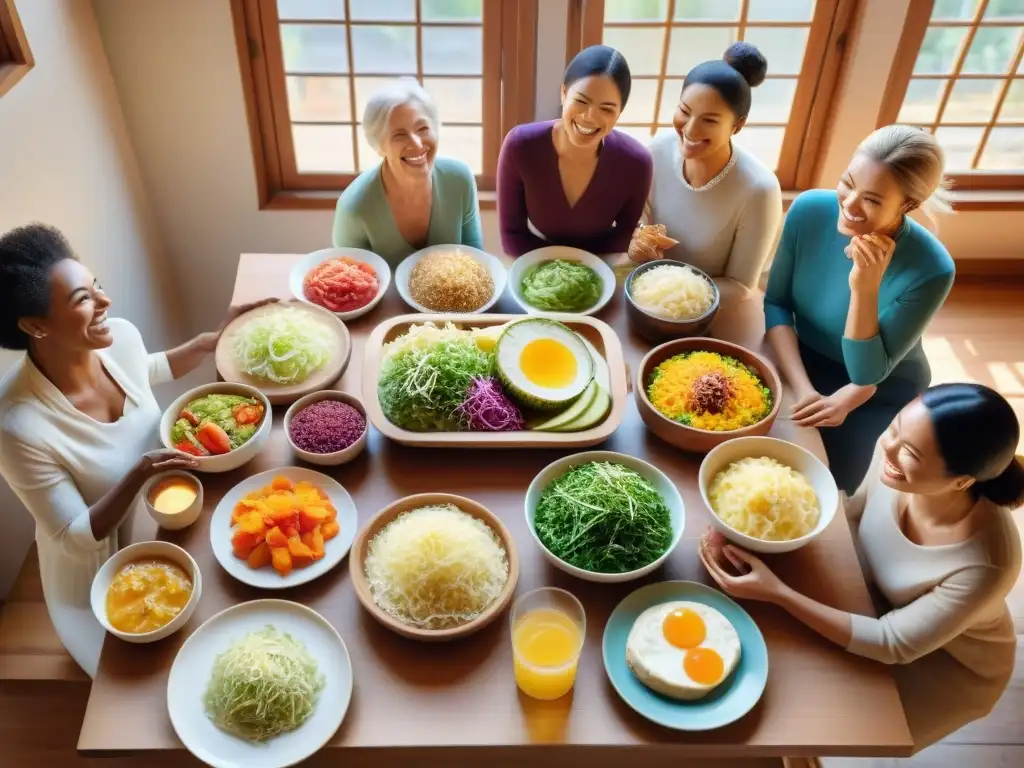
(186, 447)
(190, 417)
(214, 438)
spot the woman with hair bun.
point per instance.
(934, 530)
(715, 199)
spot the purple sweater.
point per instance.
(530, 187)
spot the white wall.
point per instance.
(65, 159)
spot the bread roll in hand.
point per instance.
(649, 243)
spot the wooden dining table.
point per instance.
(457, 703)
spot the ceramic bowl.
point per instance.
(182, 519)
(144, 550)
(528, 261)
(334, 458)
(662, 484)
(236, 458)
(497, 270)
(306, 264)
(800, 459)
(690, 438)
(357, 566)
(658, 329)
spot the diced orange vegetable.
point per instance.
(317, 542)
(312, 516)
(330, 529)
(276, 538)
(281, 483)
(260, 557)
(281, 559)
(251, 522)
(301, 554)
(290, 531)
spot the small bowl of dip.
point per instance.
(174, 499)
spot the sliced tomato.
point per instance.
(214, 438)
(186, 447)
(190, 417)
(246, 413)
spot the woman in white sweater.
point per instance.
(935, 535)
(78, 420)
(721, 204)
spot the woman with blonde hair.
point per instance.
(854, 284)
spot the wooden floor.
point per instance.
(978, 336)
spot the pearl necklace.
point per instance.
(713, 182)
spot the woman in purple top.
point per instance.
(574, 180)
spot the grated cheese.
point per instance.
(763, 498)
(673, 292)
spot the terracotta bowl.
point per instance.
(690, 438)
(658, 329)
(357, 566)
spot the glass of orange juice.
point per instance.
(548, 627)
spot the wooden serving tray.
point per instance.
(599, 334)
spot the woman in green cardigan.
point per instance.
(413, 198)
(854, 284)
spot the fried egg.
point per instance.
(682, 650)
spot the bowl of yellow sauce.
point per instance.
(146, 591)
(174, 499)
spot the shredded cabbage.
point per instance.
(422, 337)
(488, 409)
(561, 286)
(673, 292)
(436, 567)
(263, 685)
(283, 346)
(763, 498)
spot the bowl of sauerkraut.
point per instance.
(667, 299)
(767, 495)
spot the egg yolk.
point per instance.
(703, 665)
(684, 628)
(548, 363)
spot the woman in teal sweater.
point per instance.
(413, 198)
(854, 284)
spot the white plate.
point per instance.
(311, 260)
(499, 275)
(549, 253)
(267, 578)
(190, 674)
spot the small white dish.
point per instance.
(306, 264)
(267, 578)
(334, 458)
(190, 675)
(657, 478)
(497, 270)
(800, 459)
(145, 550)
(179, 520)
(528, 261)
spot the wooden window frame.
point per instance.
(977, 189)
(817, 84)
(509, 47)
(15, 55)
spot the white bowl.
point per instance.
(499, 275)
(803, 461)
(142, 550)
(186, 517)
(652, 474)
(549, 253)
(314, 259)
(236, 458)
(336, 457)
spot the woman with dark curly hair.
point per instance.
(78, 420)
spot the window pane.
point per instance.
(938, 51)
(314, 48)
(692, 45)
(728, 10)
(780, 10)
(1004, 150)
(459, 101)
(1013, 105)
(384, 49)
(972, 101)
(959, 145)
(311, 9)
(365, 88)
(1001, 9)
(453, 50)
(366, 158)
(669, 100)
(465, 144)
(636, 10)
(323, 148)
(954, 9)
(451, 10)
(640, 107)
(921, 103)
(772, 102)
(641, 47)
(766, 143)
(784, 48)
(383, 10)
(319, 99)
(992, 50)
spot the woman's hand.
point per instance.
(831, 411)
(871, 255)
(208, 341)
(154, 462)
(756, 580)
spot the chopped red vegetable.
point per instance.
(213, 438)
(186, 447)
(341, 285)
(247, 414)
(190, 417)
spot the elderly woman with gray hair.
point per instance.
(413, 198)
